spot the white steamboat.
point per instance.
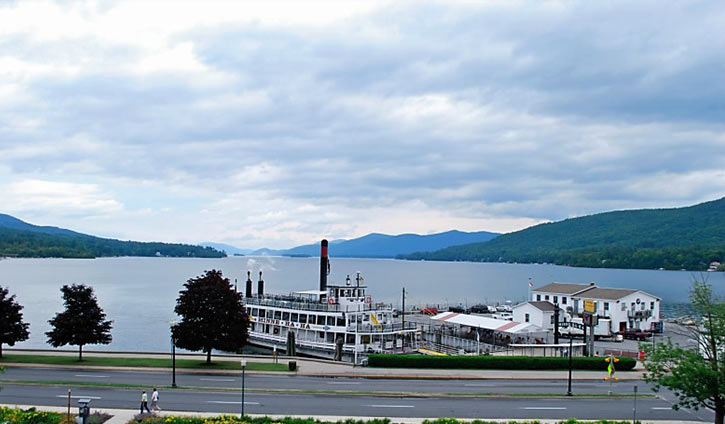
(335, 322)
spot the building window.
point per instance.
(632, 308)
(546, 297)
(652, 305)
(556, 299)
(606, 306)
(563, 300)
(538, 298)
(624, 306)
(551, 321)
(526, 318)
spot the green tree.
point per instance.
(695, 374)
(212, 316)
(83, 321)
(12, 327)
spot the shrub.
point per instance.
(29, 416)
(495, 362)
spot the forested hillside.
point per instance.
(682, 238)
(43, 242)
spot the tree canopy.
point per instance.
(695, 374)
(82, 322)
(212, 315)
(12, 327)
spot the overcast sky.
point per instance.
(274, 124)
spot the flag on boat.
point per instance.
(373, 319)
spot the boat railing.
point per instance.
(382, 328)
(292, 302)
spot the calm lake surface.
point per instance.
(139, 294)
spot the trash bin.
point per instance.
(84, 411)
(292, 365)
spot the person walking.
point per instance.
(144, 402)
(155, 400)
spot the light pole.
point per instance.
(244, 367)
(173, 353)
(568, 393)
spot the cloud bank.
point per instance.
(274, 124)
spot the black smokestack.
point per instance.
(324, 265)
(260, 286)
(249, 284)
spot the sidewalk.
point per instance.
(311, 367)
(123, 416)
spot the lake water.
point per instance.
(139, 294)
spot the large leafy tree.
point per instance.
(212, 315)
(695, 374)
(12, 327)
(83, 321)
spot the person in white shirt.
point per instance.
(155, 400)
(144, 401)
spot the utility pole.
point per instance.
(556, 324)
(568, 393)
(402, 330)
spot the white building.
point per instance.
(618, 309)
(538, 313)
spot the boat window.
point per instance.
(294, 317)
(313, 319)
(350, 339)
(277, 314)
(260, 312)
(270, 313)
(340, 321)
(330, 320)
(365, 339)
(321, 334)
(285, 316)
(330, 337)
(303, 318)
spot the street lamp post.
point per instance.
(173, 354)
(568, 393)
(244, 367)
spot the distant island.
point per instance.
(689, 238)
(20, 239)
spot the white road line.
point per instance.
(545, 408)
(662, 408)
(92, 375)
(345, 382)
(79, 397)
(236, 402)
(390, 406)
(481, 385)
(217, 379)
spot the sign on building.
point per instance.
(589, 306)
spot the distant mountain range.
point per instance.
(372, 245)
(679, 238)
(21, 239)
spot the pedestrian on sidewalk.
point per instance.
(144, 402)
(155, 400)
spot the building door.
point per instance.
(622, 326)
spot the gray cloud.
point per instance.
(540, 111)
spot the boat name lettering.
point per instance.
(273, 321)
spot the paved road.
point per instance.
(291, 382)
(302, 404)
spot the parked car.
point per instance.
(637, 334)
(429, 310)
(458, 309)
(479, 309)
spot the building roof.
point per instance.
(488, 323)
(564, 288)
(607, 294)
(589, 291)
(542, 306)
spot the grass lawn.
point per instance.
(140, 362)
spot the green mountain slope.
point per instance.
(20, 239)
(689, 238)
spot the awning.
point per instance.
(493, 324)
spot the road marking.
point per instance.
(546, 408)
(481, 385)
(345, 382)
(217, 379)
(390, 406)
(236, 402)
(92, 375)
(79, 397)
(662, 408)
